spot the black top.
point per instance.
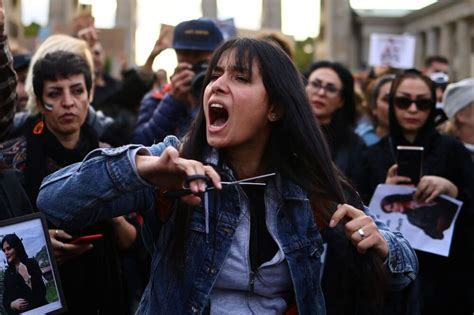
(262, 245)
(347, 151)
(14, 201)
(15, 287)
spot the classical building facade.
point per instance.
(443, 28)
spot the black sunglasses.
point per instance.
(403, 102)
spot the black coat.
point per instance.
(347, 151)
(14, 201)
(15, 287)
(446, 283)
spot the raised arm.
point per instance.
(104, 185)
(112, 182)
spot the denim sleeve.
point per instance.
(401, 262)
(105, 185)
(164, 121)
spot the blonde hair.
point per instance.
(52, 44)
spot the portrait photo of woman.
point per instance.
(24, 288)
(432, 217)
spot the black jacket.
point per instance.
(446, 283)
(15, 287)
(13, 200)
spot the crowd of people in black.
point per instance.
(97, 154)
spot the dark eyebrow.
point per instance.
(77, 85)
(55, 87)
(325, 83)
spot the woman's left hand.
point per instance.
(23, 271)
(361, 230)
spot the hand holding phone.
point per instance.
(85, 239)
(409, 161)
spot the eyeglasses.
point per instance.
(330, 89)
(422, 104)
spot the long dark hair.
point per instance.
(296, 148)
(428, 129)
(15, 242)
(388, 200)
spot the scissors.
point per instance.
(186, 191)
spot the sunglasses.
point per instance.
(422, 104)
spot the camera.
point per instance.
(199, 70)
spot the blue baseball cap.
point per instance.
(200, 34)
(21, 61)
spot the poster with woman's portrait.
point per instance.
(428, 226)
(29, 281)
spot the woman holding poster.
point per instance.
(446, 282)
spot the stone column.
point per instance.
(61, 14)
(431, 42)
(462, 63)
(271, 14)
(446, 41)
(337, 31)
(126, 18)
(420, 50)
(209, 8)
(13, 25)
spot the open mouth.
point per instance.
(218, 115)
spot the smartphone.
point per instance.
(85, 239)
(410, 161)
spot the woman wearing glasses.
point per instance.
(330, 89)
(446, 283)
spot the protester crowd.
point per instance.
(98, 154)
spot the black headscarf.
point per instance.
(427, 132)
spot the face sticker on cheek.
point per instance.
(48, 106)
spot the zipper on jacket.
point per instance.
(251, 281)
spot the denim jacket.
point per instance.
(106, 184)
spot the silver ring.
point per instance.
(56, 232)
(361, 232)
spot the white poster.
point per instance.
(396, 51)
(427, 226)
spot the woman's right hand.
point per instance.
(181, 88)
(169, 171)
(431, 187)
(19, 305)
(393, 179)
(63, 251)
